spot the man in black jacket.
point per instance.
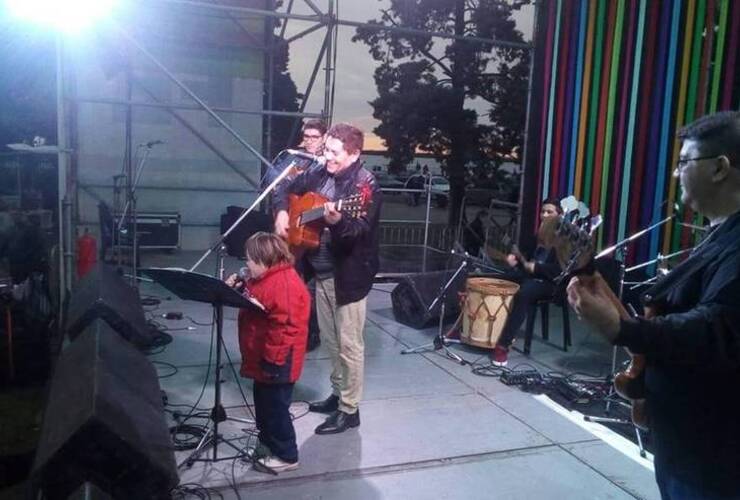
(535, 278)
(692, 345)
(344, 266)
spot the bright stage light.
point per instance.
(69, 16)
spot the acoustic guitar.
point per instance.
(572, 238)
(306, 217)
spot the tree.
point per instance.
(425, 84)
(284, 98)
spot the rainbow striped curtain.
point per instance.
(614, 81)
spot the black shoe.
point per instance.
(328, 405)
(339, 422)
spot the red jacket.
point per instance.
(273, 343)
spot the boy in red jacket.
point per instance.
(273, 344)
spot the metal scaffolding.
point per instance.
(326, 54)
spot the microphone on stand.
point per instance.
(318, 159)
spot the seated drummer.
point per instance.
(535, 279)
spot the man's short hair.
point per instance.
(716, 134)
(314, 124)
(553, 201)
(352, 137)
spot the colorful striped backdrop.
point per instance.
(614, 80)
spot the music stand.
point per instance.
(198, 287)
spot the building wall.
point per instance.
(613, 81)
(218, 62)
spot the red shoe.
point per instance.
(500, 356)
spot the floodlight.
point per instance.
(69, 16)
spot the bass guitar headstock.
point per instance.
(572, 237)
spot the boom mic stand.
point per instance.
(218, 413)
(621, 247)
(440, 340)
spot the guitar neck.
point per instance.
(315, 214)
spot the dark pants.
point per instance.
(530, 291)
(673, 486)
(275, 426)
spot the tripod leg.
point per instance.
(206, 440)
(639, 442)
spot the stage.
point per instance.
(431, 428)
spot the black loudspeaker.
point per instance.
(104, 422)
(416, 292)
(255, 221)
(103, 293)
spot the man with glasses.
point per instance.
(692, 342)
(313, 137)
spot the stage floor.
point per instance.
(431, 428)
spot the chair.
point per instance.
(558, 299)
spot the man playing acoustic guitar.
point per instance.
(344, 265)
(691, 345)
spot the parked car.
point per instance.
(387, 181)
(440, 189)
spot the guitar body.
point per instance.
(630, 383)
(306, 218)
(300, 235)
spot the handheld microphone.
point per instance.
(243, 274)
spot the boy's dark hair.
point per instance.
(314, 124)
(267, 249)
(716, 134)
(554, 202)
(351, 137)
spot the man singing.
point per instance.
(692, 344)
(343, 265)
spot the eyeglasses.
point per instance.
(682, 163)
(312, 137)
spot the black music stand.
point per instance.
(199, 287)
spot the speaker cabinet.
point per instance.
(104, 294)
(104, 422)
(253, 222)
(415, 293)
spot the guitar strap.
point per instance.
(715, 246)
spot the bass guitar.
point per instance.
(306, 217)
(572, 238)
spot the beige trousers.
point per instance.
(341, 330)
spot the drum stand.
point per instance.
(440, 340)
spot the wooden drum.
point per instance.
(485, 310)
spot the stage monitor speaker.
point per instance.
(104, 422)
(255, 221)
(415, 293)
(103, 293)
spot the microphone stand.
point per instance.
(131, 202)
(440, 340)
(218, 246)
(621, 247)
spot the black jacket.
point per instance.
(693, 364)
(354, 240)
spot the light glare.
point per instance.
(70, 16)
